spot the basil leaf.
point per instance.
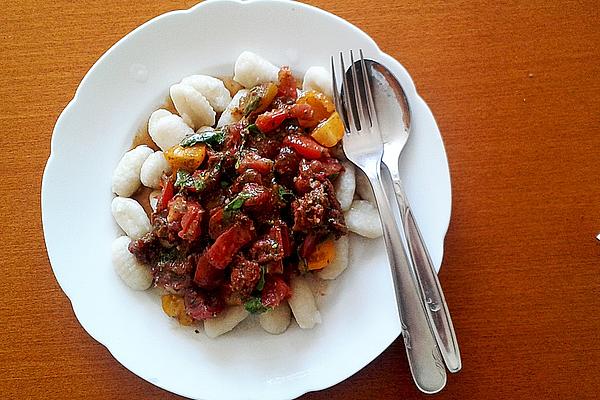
(261, 282)
(254, 306)
(212, 138)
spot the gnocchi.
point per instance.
(225, 321)
(231, 113)
(318, 78)
(363, 219)
(193, 107)
(167, 129)
(130, 216)
(126, 176)
(345, 186)
(212, 89)
(277, 320)
(251, 69)
(303, 304)
(133, 273)
(153, 168)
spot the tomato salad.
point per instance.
(247, 206)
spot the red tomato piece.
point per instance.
(190, 222)
(167, 194)
(206, 275)
(229, 243)
(287, 84)
(201, 305)
(251, 160)
(303, 112)
(275, 291)
(306, 147)
(271, 120)
(308, 245)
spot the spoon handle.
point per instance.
(430, 288)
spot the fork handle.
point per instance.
(423, 355)
(429, 285)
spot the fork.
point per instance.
(364, 147)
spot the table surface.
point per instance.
(514, 87)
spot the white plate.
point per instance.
(114, 99)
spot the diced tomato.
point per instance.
(215, 223)
(206, 275)
(303, 112)
(308, 246)
(271, 120)
(275, 291)
(190, 222)
(306, 147)
(167, 194)
(229, 243)
(251, 160)
(259, 196)
(287, 84)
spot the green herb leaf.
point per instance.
(235, 204)
(261, 282)
(254, 306)
(284, 194)
(252, 100)
(252, 128)
(183, 178)
(212, 138)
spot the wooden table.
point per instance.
(514, 87)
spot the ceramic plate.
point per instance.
(113, 101)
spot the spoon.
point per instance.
(394, 117)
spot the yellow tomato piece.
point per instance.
(267, 97)
(174, 307)
(330, 132)
(187, 158)
(322, 256)
(171, 305)
(322, 107)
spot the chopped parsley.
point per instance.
(235, 204)
(186, 180)
(253, 129)
(254, 306)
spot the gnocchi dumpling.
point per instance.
(363, 187)
(135, 274)
(251, 69)
(277, 320)
(192, 106)
(340, 262)
(225, 321)
(212, 89)
(130, 216)
(303, 303)
(153, 168)
(231, 113)
(319, 79)
(363, 219)
(345, 185)
(126, 176)
(167, 129)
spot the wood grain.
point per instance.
(514, 86)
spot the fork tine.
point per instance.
(360, 111)
(369, 94)
(346, 96)
(336, 96)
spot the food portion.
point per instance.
(252, 194)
